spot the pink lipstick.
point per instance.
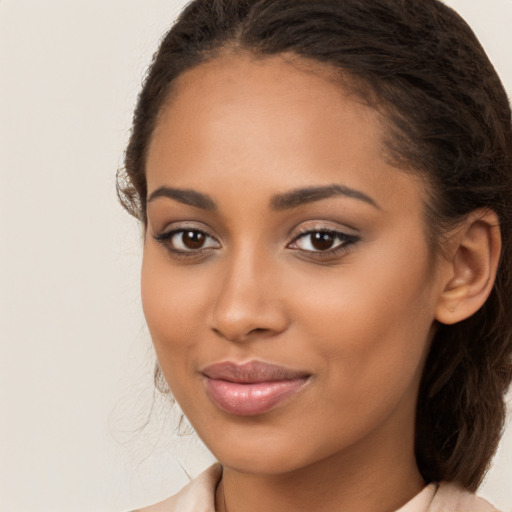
(251, 388)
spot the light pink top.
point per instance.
(199, 496)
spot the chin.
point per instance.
(263, 463)
(259, 451)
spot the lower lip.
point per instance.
(249, 399)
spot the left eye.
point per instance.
(187, 240)
(321, 241)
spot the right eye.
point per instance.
(187, 241)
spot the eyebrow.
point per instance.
(288, 200)
(185, 196)
(301, 196)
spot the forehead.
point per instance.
(271, 95)
(282, 118)
(281, 77)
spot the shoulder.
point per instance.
(167, 505)
(197, 496)
(450, 497)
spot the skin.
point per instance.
(359, 321)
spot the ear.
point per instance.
(471, 267)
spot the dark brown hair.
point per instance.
(449, 121)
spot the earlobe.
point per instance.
(472, 267)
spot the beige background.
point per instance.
(75, 357)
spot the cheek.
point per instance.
(172, 303)
(369, 320)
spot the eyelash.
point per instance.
(347, 241)
(166, 237)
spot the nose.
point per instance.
(248, 303)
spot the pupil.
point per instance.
(322, 241)
(193, 239)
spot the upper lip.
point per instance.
(251, 372)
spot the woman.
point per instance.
(325, 191)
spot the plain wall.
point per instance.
(75, 356)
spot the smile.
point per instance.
(252, 388)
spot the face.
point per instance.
(286, 279)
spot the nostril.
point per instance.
(233, 333)
(258, 330)
(244, 335)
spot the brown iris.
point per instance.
(322, 241)
(193, 239)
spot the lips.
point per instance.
(252, 388)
